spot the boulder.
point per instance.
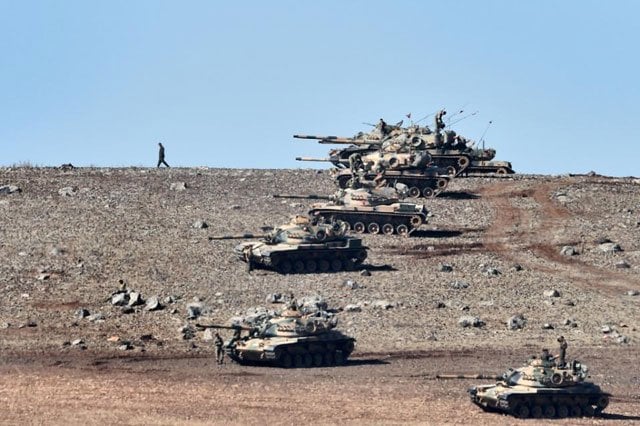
(551, 293)
(517, 267)
(516, 322)
(152, 304)
(178, 186)
(350, 284)
(274, 298)
(622, 264)
(194, 310)
(470, 321)
(547, 326)
(200, 224)
(445, 268)
(352, 308)
(120, 299)
(382, 304)
(609, 248)
(68, 191)
(9, 189)
(633, 293)
(81, 313)
(568, 251)
(97, 317)
(492, 272)
(135, 299)
(365, 273)
(459, 285)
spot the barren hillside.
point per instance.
(563, 253)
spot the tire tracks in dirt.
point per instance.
(525, 235)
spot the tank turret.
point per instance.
(545, 386)
(303, 245)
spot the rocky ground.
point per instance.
(504, 266)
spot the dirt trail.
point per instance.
(525, 236)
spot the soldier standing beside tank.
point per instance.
(217, 341)
(161, 155)
(563, 351)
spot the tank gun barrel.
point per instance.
(224, 327)
(321, 160)
(237, 236)
(468, 376)
(338, 140)
(303, 197)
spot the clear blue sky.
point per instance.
(226, 84)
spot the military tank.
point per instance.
(301, 246)
(446, 148)
(289, 340)
(374, 210)
(543, 388)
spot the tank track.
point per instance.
(419, 185)
(374, 222)
(454, 163)
(306, 354)
(317, 260)
(547, 405)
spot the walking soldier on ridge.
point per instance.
(161, 156)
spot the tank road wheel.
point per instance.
(348, 264)
(328, 358)
(402, 230)
(415, 221)
(451, 171)
(359, 227)
(298, 361)
(588, 411)
(387, 229)
(442, 183)
(557, 378)
(336, 265)
(576, 411)
(318, 359)
(562, 411)
(307, 360)
(286, 361)
(414, 192)
(463, 162)
(522, 411)
(323, 265)
(548, 411)
(298, 266)
(339, 358)
(536, 412)
(373, 228)
(427, 192)
(602, 403)
(284, 266)
(502, 171)
(310, 265)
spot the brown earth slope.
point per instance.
(60, 253)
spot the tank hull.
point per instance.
(399, 218)
(321, 350)
(584, 399)
(331, 256)
(425, 183)
(487, 167)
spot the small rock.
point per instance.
(350, 284)
(516, 322)
(97, 317)
(68, 191)
(187, 332)
(152, 304)
(218, 294)
(4, 325)
(125, 346)
(622, 264)
(178, 186)
(274, 298)
(57, 251)
(551, 293)
(194, 310)
(200, 224)
(127, 310)
(609, 248)
(382, 304)
(445, 267)
(470, 321)
(547, 326)
(81, 313)
(353, 308)
(517, 267)
(602, 240)
(633, 293)
(492, 272)
(9, 189)
(169, 299)
(568, 251)
(208, 336)
(606, 329)
(77, 342)
(569, 303)
(43, 277)
(622, 339)
(365, 273)
(439, 305)
(119, 299)
(235, 207)
(459, 285)
(135, 299)
(113, 339)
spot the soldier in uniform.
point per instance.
(546, 358)
(161, 155)
(439, 122)
(384, 127)
(219, 344)
(563, 351)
